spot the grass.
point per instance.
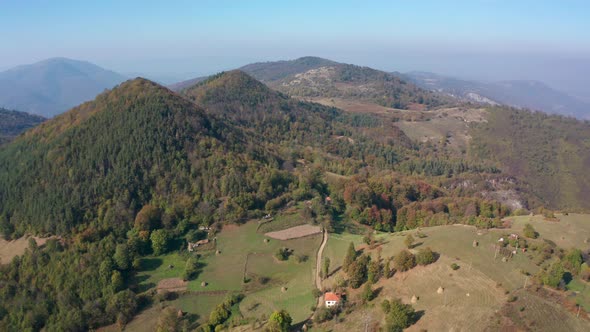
(454, 241)
(296, 277)
(155, 268)
(198, 305)
(581, 293)
(540, 314)
(290, 218)
(571, 231)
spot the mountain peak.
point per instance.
(228, 87)
(54, 85)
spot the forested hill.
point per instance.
(550, 152)
(277, 70)
(13, 123)
(98, 164)
(316, 77)
(272, 116)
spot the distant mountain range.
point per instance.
(534, 95)
(53, 86)
(12, 123)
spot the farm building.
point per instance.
(331, 299)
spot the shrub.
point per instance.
(398, 315)
(454, 266)
(530, 232)
(409, 241)
(404, 260)
(282, 254)
(425, 256)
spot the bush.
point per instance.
(425, 256)
(454, 266)
(530, 232)
(404, 261)
(282, 254)
(409, 241)
(553, 276)
(316, 293)
(323, 314)
(399, 316)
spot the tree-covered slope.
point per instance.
(13, 123)
(551, 153)
(104, 160)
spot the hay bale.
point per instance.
(266, 240)
(414, 299)
(203, 284)
(218, 252)
(283, 289)
(440, 290)
(475, 243)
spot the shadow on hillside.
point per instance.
(150, 264)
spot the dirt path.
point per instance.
(318, 268)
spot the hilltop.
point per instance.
(311, 77)
(53, 86)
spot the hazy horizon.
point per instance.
(480, 40)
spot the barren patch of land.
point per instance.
(172, 285)
(295, 232)
(9, 249)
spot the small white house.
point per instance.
(331, 299)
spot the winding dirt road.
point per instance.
(318, 268)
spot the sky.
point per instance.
(172, 40)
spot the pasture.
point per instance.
(571, 231)
(243, 261)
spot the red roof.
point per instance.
(329, 296)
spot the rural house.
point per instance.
(331, 299)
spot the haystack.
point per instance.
(283, 289)
(440, 290)
(203, 284)
(414, 299)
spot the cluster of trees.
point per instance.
(221, 313)
(68, 287)
(363, 268)
(398, 316)
(570, 263)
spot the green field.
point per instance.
(571, 231)
(289, 218)
(454, 241)
(155, 268)
(243, 252)
(580, 293)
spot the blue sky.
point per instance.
(487, 39)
